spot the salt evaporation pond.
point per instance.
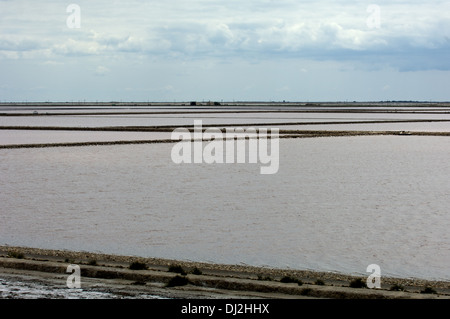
(211, 119)
(10, 137)
(409, 126)
(336, 204)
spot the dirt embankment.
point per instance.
(202, 280)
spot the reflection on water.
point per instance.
(336, 204)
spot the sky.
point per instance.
(201, 50)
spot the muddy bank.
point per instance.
(282, 134)
(166, 128)
(204, 280)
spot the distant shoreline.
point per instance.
(227, 103)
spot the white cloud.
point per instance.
(217, 28)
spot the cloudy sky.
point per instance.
(265, 50)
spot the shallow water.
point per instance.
(211, 119)
(336, 204)
(9, 137)
(259, 107)
(413, 127)
(13, 288)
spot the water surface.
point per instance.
(336, 204)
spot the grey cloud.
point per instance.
(25, 44)
(284, 28)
